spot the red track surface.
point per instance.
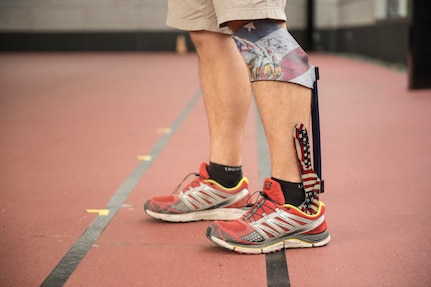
(73, 125)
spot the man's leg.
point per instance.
(226, 92)
(220, 191)
(281, 106)
(276, 66)
(289, 213)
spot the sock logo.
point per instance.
(232, 169)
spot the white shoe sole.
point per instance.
(284, 244)
(211, 214)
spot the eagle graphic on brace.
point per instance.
(262, 63)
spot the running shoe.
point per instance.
(270, 226)
(201, 199)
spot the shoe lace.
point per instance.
(248, 202)
(253, 214)
(192, 184)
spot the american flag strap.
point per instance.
(310, 179)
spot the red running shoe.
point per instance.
(202, 199)
(270, 226)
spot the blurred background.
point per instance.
(385, 30)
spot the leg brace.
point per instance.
(272, 54)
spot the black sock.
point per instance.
(294, 193)
(228, 176)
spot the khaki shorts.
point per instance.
(211, 15)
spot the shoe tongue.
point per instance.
(273, 190)
(203, 172)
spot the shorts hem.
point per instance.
(274, 13)
(196, 26)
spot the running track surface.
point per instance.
(88, 133)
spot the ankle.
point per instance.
(227, 176)
(293, 192)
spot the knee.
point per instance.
(203, 40)
(198, 38)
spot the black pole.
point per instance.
(310, 26)
(315, 128)
(420, 43)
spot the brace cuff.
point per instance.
(272, 54)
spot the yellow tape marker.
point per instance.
(99, 211)
(145, 157)
(164, 130)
